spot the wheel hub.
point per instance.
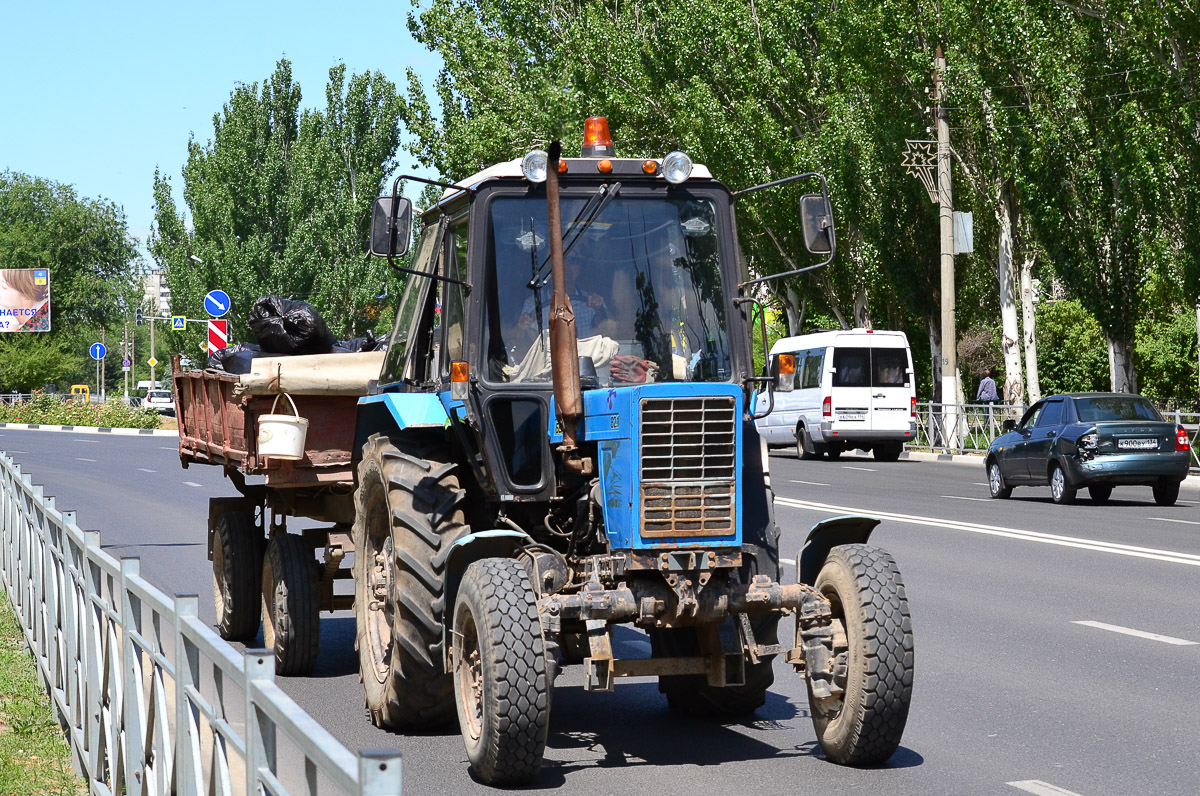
(470, 680)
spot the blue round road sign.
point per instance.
(97, 351)
(216, 303)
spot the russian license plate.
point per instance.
(851, 416)
(1137, 444)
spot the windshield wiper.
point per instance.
(589, 213)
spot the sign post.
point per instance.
(97, 352)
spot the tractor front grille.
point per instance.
(689, 466)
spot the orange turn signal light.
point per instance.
(562, 166)
(459, 371)
(787, 365)
(604, 166)
(649, 166)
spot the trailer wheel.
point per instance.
(408, 512)
(501, 685)
(291, 614)
(873, 645)
(237, 573)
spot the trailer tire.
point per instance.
(501, 683)
(291, 613)
(408, 512)
(237, 553)
(864, 726)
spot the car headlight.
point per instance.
(534, 165)
(676, 167)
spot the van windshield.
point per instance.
(870, 367)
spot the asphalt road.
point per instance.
(1057, 647)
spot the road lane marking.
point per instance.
(191, 483)
(1151, 553)
(144, 470)
(1039, 788)
(810, 483)
(176, 449)
(1128, 631)
(864, 469)
(81, 459)
(961, 497)
(1169, 519)
(980, 483)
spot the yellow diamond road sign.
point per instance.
(152, 361)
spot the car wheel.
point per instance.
(1100, 494)
(1166, 494)
(996, 482)
(1060, 491)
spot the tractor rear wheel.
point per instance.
(237, 575)
(291, 614)
(408, 511)
(501, 683)
(873, 648)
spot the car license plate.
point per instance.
(1137, 444)
(851, 416)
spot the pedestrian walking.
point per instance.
(987, 388)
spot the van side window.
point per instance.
(852, 367)
(813, 363)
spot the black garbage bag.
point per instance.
(289, 326)
(235, 358)
(368, 342)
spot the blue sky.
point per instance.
(99, 96)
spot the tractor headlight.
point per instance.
(676, 167)
(534, 165)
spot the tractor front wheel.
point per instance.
(873, 655)
(501, 683)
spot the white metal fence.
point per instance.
(152, 700)
(970, 428)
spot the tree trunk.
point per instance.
(1121, 370)
(1014, 390)
(1029, 325)
(834, 306)
(862, 315)
(934, 324)
(794, 309)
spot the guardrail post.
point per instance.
(187, 716)
(260, 728)
(93, 650)
(379, 772)
(131, 670)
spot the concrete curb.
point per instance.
(124, 432)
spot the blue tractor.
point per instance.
(562, 440)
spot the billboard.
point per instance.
(24, 300)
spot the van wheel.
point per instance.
(804, 446)
(888, 451)
(834, 450)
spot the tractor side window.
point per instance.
(407, 355)
(453, 312)
(813, 364)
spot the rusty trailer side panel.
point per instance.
(220, 428)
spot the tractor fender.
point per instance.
(828, 534)
(497, 543)
(396, 411)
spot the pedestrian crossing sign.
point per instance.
(178, 323)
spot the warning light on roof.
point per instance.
(597, 143)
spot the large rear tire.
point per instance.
(408, 511)
(291, 613)
(864, 725)
(501, 684)
(237, 559)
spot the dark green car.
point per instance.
(1092, 440)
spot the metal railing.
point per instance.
(970, 428)
(153, 701)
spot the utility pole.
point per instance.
(946, 217)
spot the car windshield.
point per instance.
(1115, 407)
(644, 281)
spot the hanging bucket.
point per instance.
(282, 436)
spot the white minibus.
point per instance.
(850, 389)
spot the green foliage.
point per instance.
(1166, 356)
(35, 756)
(1072, 350)
(30, 361)
(52, 410)
(280, 202)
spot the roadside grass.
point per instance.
(35, 757)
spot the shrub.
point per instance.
(52, 410)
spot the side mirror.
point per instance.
(391, 226)
(816, 219)
(1009, 424)
(785, 372)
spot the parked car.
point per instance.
(1092, 440)
(161, 401)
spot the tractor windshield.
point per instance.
(644, 280)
